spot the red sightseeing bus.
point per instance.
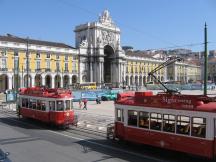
(185, 123)
(53, 106)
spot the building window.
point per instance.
(48, 55)
(66, 66)
(57, 56)
(132, 118)
(48, 64)
(57, 65)
(16, 53)
(144, 119)
(198, 127)
(4, 63)
(38, 64)
(16, 63)
(4, 52)
(66, 57)
(169, 123)
(38, 55)
(156, 121)
(74, 65)
(183, 125)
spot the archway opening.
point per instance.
(109, 53)
(57, 81)
(74, 79)
(26, 77)
(38, 80)
(48, 81)
(4, 82)
(66, 81)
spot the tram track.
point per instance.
(81, 129)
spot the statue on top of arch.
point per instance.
(105, 18)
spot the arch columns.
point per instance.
(53, 81)
(43, 80)
(33, 80)
(10, 82)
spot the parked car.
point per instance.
(110, 95)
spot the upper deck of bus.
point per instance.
(45, 92)
(168, 101)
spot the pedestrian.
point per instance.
(85, 104)
(80, 104)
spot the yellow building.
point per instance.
(50, 63)
(139, 64)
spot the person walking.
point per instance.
(98, 100)
(80, 104)
(85, 104)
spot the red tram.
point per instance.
(185, 123)
(53, 106)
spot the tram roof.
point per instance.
(168, 101)
(46, 92)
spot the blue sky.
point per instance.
(144, 24)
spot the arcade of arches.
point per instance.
(52, 81)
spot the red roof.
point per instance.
(168, 101)
(46, 92)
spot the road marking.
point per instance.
(91, 142)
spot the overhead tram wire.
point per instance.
(65, 2)
(118, 22)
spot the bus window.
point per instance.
(132, 118)
(169, 123)
(118, 114)
(198, 127)
(67, 103)
(183, 125)
(52, 105)
(60, 105)
(156, 121)
(144, 119)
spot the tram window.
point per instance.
(52, 105)
(34, 104)
(169, 123)
(43, 106)
(39, 105)
(67, 102)
(183, 125)
(118, 114)
(122, 115)
(71, 104)
(156, 121)
(144, 119)
(132, 118)
(198, 127)
(25, 102)
(60, 105)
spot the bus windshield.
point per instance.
(88, 85)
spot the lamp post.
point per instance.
(27, 63)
